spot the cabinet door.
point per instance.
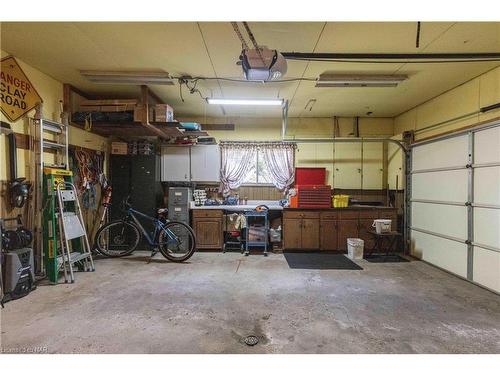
(328, 234)
(208, 233)
(395, 161)
(310, 234)
(347, 229)
(175, 163)
(373, 165)
(365, 225)
(347, 174)
(292, 233)
(205, 163)
(120, 176)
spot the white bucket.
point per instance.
(382, 225)
(355, 248)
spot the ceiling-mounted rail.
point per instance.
(480, 56)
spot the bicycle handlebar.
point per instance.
(126, 203)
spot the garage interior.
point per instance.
(250, 187)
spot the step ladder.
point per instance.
(71, 227)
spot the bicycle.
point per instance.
(176, 241)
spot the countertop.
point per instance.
(273, 205)
(352, 207)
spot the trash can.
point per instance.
(355, 248)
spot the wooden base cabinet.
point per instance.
(207, 226)
(329, 229)
(328, 234)
(347, 229)
(293, 230)
(301, 230)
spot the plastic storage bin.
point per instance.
(355, 248)
(340, 201)
(382, 225)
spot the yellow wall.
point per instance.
(51, 92)
(308, 154)
(462, 100)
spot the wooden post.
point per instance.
(145, 116)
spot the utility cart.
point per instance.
(257, 232)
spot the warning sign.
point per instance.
(17, 94)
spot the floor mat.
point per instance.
(319, 261)
(382, 258)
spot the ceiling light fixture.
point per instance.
(359, 80)
(131, 78)
(245, 101)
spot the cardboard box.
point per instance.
(257, 233)
(119, 148)
(164, 113)
(139, 112)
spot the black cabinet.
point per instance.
(137, 176)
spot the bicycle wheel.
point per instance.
(177, 242)
(117, 239)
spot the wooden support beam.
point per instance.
(145, 119)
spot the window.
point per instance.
(258, 172)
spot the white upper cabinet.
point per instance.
(175, 163)
(199, 163)
(373, 165)
(205, 163)
(347, 174)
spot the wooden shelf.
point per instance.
(136, 129)
(163, 130)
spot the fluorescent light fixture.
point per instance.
(130, 78)
(359, 80)
(245, 101)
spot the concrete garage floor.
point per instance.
(209, 304)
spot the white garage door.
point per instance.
(455, 204)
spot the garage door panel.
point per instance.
(447, 254)
(442, 219)
(487, 268)
(451, 152)
(487, 146)
(487, 185)
(487, 226)
(442, 186)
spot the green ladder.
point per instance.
(61, 248)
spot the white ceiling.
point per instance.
(211, 49)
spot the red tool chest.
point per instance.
(312, 196)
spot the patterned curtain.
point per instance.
(236, 163)
(280, 162)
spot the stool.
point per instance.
(386, 239)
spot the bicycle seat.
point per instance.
(162, 211)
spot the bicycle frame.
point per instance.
(158, 224)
